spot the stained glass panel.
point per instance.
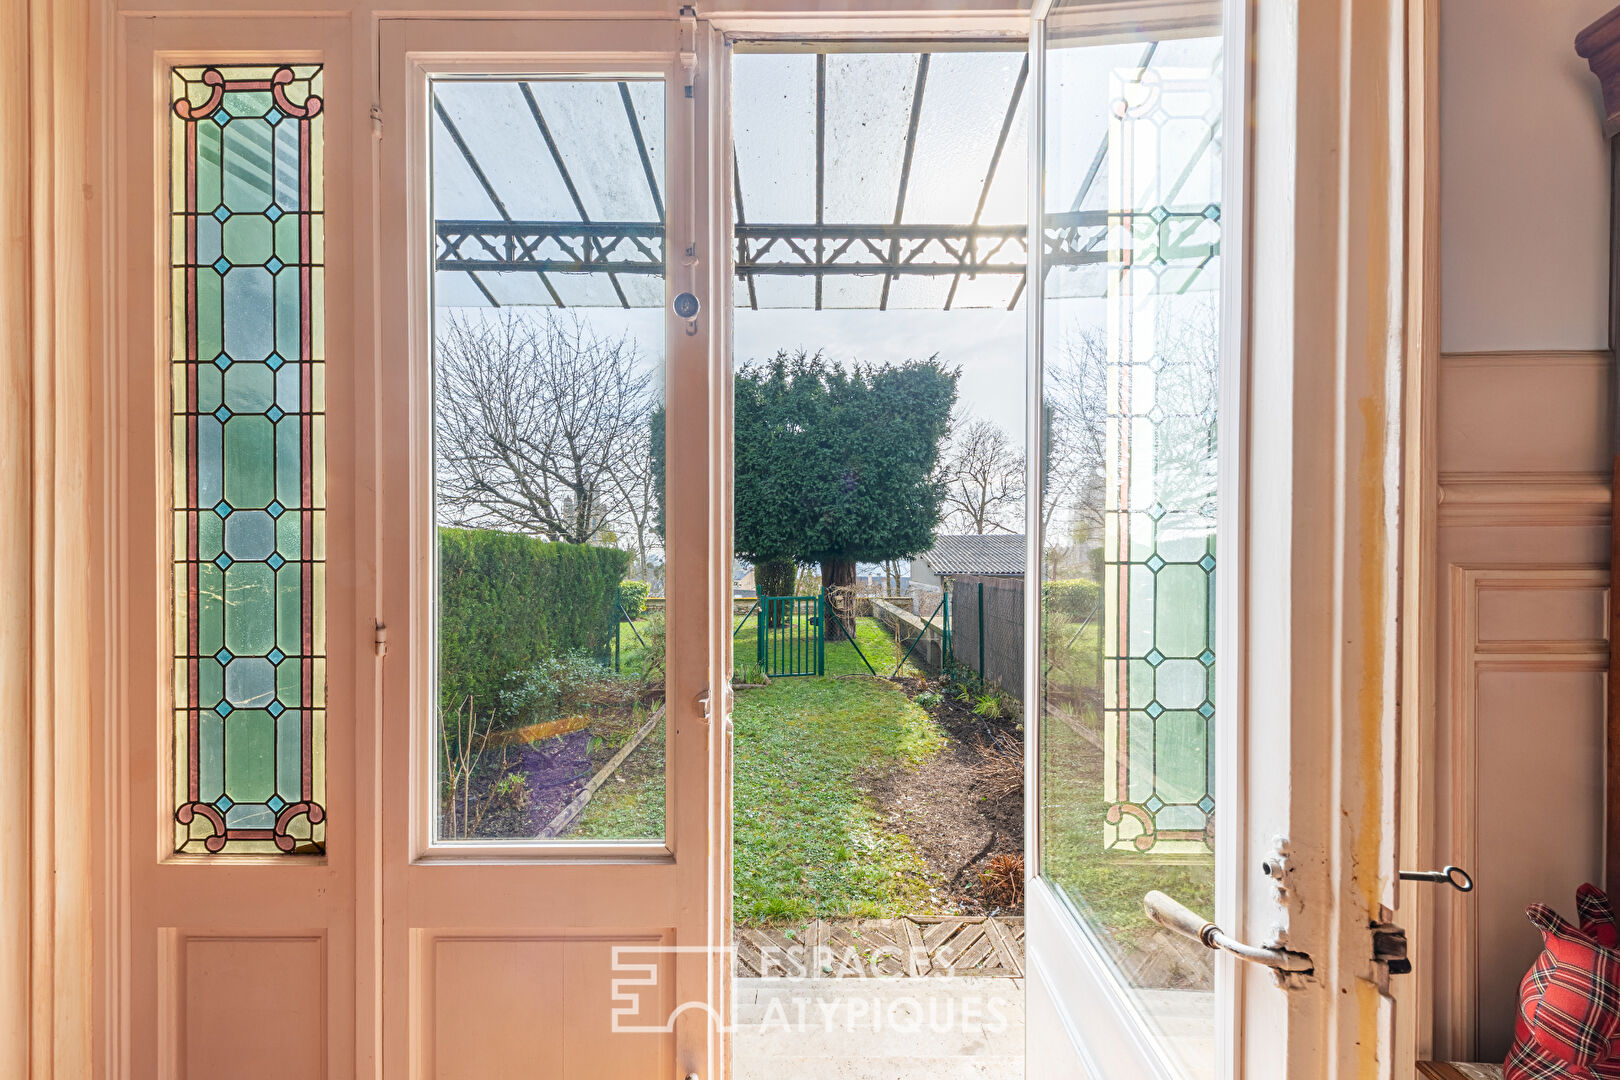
(248, 438)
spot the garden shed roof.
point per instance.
(991, 555)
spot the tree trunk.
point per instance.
(775, 577)
(838, 579)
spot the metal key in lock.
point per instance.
(1455, 876)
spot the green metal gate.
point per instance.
(791, 636)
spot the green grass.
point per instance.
(630, 805)
(805, 842)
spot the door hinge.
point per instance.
(376, 121)
(1389, 948)
(379, 640)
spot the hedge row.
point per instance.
(633, 598)
(1076, 597)
(508, 601)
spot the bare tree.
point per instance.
(634, 478)
(537, 418)
(983, 473)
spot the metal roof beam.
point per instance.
(995, 161)
(641, 148)
(568, 181)
(905, 165)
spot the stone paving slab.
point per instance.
(934, 1027)
(911, 947)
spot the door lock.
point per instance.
(1455, 876)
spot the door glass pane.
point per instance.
(1132, 209)
(548, 360)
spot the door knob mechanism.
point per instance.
(1174, 916)
(1455, 876)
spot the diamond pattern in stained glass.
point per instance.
(249, 768)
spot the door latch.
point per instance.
(1389, 948)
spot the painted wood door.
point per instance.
(356, 842)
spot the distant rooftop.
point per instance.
(991, 555)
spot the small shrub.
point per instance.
(511, 792)
(1003, 881)
(930, 699)
(988, 706)
(557, 686)
(633, 598)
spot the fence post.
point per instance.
(821, 634)
(981, 631)
(618, 628)
(947, 662)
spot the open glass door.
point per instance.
(1126, 281)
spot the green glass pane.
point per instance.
(289, 609)
(210, 609)
(250, 619)
(210, 536)
(289, 755)
(1139, 778)
(249, 463)
(1182, 601)
(289, 326)
(207, 167)
(210, 388)
(1179, 756)
(210, 315)
(247, 102)
(210, 461)
(287, 239)
(1141, 639)
(246, 146)
(289, 476)
(287, 166)
(1141, 676)
(289, 685)
(250, 756)
(246, 239)
(210, 756)
(287, 536)
(210, 682)
(249, 387)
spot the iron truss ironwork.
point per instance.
(1075, 238)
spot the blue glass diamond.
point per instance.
(275, 509)
(276, 708)
(222, 361)
(1206, 658)
(223, 803)
(274, 413)
(1212, 212)
(274, 264)
(1154, 709)
(276, 563)
(224, 708)
(1155, 512)
(1206, 710)
(276, 656)
(1206, 804)
(222, 213)
(274, 213)
(222, 508)
(223, 562)
(1158, 214)
(1207, 562)
(273, 116)
(274, 361)
(222, 264)
(1154, 657)
(222, 414)
(1154, 563)
(222, 116)
(1154, 804)
(223, 656)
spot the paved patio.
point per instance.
(919, 1028)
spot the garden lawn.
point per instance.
(805, 842)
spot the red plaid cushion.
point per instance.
(1569, 1002)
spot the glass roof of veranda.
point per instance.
(864, 179)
